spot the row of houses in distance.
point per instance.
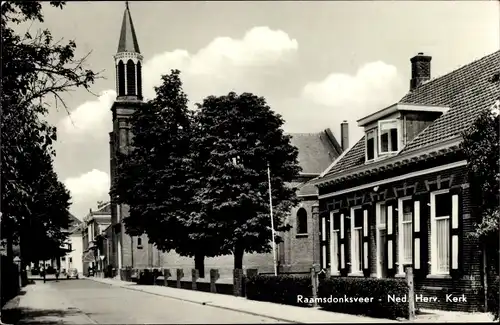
(88, 243)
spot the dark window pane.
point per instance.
(336, 221)
(443, 205)
(131, 78)
(139, 80)
(121, 79)
(302, 221)
(358, 218)
(384, 142)
(394, 139)
(370, 147)
(407, 210)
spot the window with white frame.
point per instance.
(388, 136)
(440, 232)
(356, 240)
(405, 232)
(334, 243)
(371, 145)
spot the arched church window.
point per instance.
(131, 78)
(302, 221)
(121, 78)
(139, 80)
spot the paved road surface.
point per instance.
(105, 304)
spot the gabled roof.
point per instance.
(128, 39)
(316, 150)
(104, 210)
(73, 220)
(467, 91)
(74, 223)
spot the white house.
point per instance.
(74, 244)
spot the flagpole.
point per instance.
(272, 219)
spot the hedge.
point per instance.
(330, 292)
(145, 277)
(283, 289)
(494, 299)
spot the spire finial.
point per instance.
(126, 5)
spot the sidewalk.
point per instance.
(40, 303)
(279, 312)
(284, 312)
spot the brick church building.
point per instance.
(316, 152)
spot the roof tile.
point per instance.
(467, 91)
(316, 151)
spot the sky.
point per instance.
(316, 63)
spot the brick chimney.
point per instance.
(420, 70)
(344, 135)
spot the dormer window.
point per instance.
(371, 144)
(388, 136)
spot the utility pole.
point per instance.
(272, 219)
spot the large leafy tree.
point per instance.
(481, 145)
(239, 137)
(158, 179)
(34, 67)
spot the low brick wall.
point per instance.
(189, 279)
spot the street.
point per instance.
(85, 301)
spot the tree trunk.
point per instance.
(199, 264)
(23, 254)
(238, 256)
(10, 248)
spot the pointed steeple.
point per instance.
(128, 39)
(128, 61)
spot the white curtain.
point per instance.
(358, 243)
(443, 244)
(334, 251)
(407, 242)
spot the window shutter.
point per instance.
(456, 231)
(421, 214)
(323, 241)
(391, 238)
(322, 238)
(344, 269)
(366, 249)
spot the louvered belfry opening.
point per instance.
(139, 80)
(121, 78)
(131, 78)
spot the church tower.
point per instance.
(127, 251)
(128, 61)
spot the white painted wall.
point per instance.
(74, 258)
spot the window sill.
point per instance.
(139, 246)
(400, 275)
(359, 274)
(438, 276)
(388, 153)
(335, 274)
(301, 235)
